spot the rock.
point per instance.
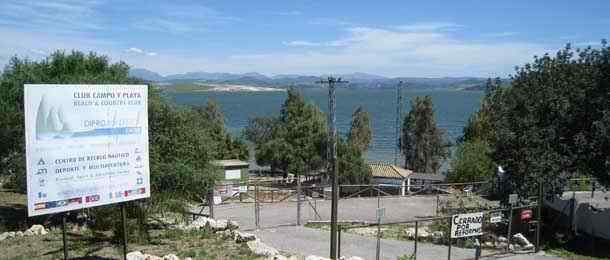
(232, 225)
(202, 222)
(423, 234)
(244, 237)
(170, 257)
(11, 234)
(523, 241)
(502, 239)
(188, 258)
(28, 233)
(410, 232)
(277, 257)
(135, 255)
(315, 257)
(4, 236)
(501, 245)
(438, 234)
(38, 230)
(19, 234)
(228, 234)
(259, 248)
(152, 257)
(488, 244)
(221, 224)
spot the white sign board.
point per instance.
(380, 214)
(232, 174)
(495, 217)
(86, 146)
(466, 225)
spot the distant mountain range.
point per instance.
(356, 80)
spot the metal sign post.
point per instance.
(380, 215)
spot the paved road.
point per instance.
(283, 213)
(308, 241)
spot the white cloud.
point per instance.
(139, 51)
(500, 34)
(64, 16)
(390, 52)
(301, 43)
(431, 26)
(184, 18)
(134, 50)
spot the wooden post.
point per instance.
(124, 220)
(63, 235)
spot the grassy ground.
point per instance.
(87, 244)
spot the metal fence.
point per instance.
(467, 248)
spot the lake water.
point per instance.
(452, 109)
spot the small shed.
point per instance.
(233, 177)
(407, 180)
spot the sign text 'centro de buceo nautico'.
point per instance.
(86, 146)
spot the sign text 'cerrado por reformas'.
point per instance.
(466, 225)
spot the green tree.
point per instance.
(472, 162)
(352, 167)
(422, 142)
(360, 131)
(555, 120)
(294, 142)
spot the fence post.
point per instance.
(510, 224)
(298, 200)
(339, 241)
(540, 205)
(256, 206)
(415, 246)
(449, 233)
(63, 234)
(211, 201)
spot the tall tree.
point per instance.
(422, 142)
(352, 165)
(555, 120)
(360, 131)
(293, 142)
(471, 162)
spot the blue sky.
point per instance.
(392, 38)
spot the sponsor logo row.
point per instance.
(88, 199)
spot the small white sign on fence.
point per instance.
(495, 217)
(380, 214)
(467, 225)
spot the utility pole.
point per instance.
(398, 123)
(332, 124)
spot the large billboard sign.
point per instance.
(86, 146)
